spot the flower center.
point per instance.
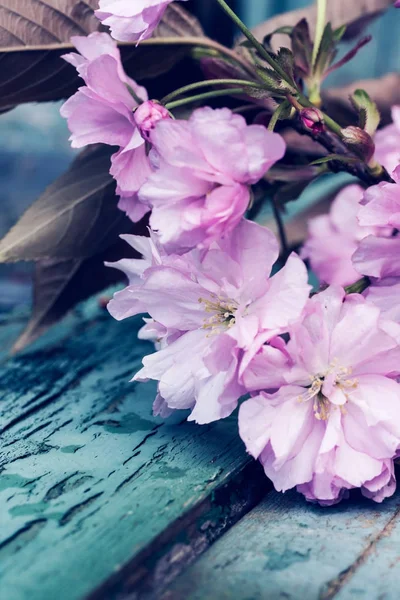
(222, 312)
(340, 378)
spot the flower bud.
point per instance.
(312, 119)
(359, 141)
(147, 115)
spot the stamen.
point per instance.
(223, 314)
(321, 404)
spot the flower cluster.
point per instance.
(233, 323)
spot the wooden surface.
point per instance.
(100, 500)
(288, 549)
(91, 482)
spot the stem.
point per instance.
(210, 82)
(358, 287)
(254, 41)
(319, 32)
(205, 96)
(277, 113)
(281, 228)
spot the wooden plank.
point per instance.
(91, 484)
(286, 548)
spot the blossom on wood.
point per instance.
(335, 424)
(213, 308)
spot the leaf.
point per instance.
(326, 53)
(61, 284)
(302, 46)
(356, 15)
(285, 59)
(34, 34)
(385, 92)
(368, 111)
(76, 217)
(335, 157)
(282, 30)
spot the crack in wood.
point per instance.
(333, 587)
(74, 510)
(23, 416)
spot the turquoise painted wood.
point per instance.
(288, 549)
(100, 500)
(92, 486)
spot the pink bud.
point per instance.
(147, 116)
(397, 4)
(313, 119)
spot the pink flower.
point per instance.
(147, 115)
(212, 307)
(380, 256)
(101, 112)
(334, 238)
(131, 20)
(335, 424)
(204, 168)
(387, 142)
(381, 204)
(385, 294)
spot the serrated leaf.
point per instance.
(326, 53)
(35, 33)
(76, 217)
(384, 91)
(368, 111)
(302, 46)
(356, 15)
(285, 59)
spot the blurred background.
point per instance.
(34, 147)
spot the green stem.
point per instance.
(205, 96)
(277, 113)
(210, 82)
(319, 32)
(358, 287)
(254, 41)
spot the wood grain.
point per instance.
(91, 484)
(286, 548)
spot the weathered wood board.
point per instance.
(288, 549)
(92, 486)
(100, 500)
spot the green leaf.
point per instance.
(339, 33)
(369, 117)
(335, 157)
(285, 59)
(384, 92)
(326, 53)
